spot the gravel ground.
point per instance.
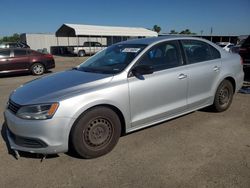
(201, 149)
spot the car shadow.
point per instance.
(157, 124)
(65, 55)
(71, 152)
(71, 55)
(10, 75)
(21, 153)
(208, 109)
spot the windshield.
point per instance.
(113, 59)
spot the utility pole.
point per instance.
(211, 33)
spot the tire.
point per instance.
(96, 132)
(81, 53)
(37, 69)
(223, 96)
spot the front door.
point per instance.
(163, 94)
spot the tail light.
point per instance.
(243, 50)
(241, 61)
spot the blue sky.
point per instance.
(227, 17)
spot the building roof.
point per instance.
(94, 30)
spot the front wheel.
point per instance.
(223, 97)
(96, 132)
(81, 53)
(37, 69)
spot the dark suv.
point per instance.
(244, 52)
(25, 60)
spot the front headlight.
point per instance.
(38, 112)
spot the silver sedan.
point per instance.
(123, 88)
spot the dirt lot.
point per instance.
(202, 149)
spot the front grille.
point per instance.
(13, 106)
(27, 142)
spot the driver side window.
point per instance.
(162, 56)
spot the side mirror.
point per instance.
(142, 70)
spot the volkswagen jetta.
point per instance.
(125, 87)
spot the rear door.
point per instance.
(20, 60)
(203, 70)
(160, 95)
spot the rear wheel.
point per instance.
(223, 97)
(96, 132)
(37, 69)
(81, 53)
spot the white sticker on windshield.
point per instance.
(131, 50)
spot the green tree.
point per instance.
(14, 38)
(157, 28)
(173, 32)
(187, 32)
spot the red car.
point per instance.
(25, 60)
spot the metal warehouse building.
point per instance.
(76, 35)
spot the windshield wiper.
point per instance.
(93, 70)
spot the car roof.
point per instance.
(152, 40)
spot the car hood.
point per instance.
(56, 86)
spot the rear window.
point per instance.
(19, 53)
(4, 53)
(13, 45)
(199, 51)
(97, 44)
(246, 43)
(88, 44)
(215, 54)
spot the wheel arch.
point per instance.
(118, 112)
(82, 50)
(232, 81)
(230, 78)
(112, 107)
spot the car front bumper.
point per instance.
(38, 136)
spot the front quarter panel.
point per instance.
(114, 94)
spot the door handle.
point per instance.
(216, 68)
(182, 76)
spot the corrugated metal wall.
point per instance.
(41, 41)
